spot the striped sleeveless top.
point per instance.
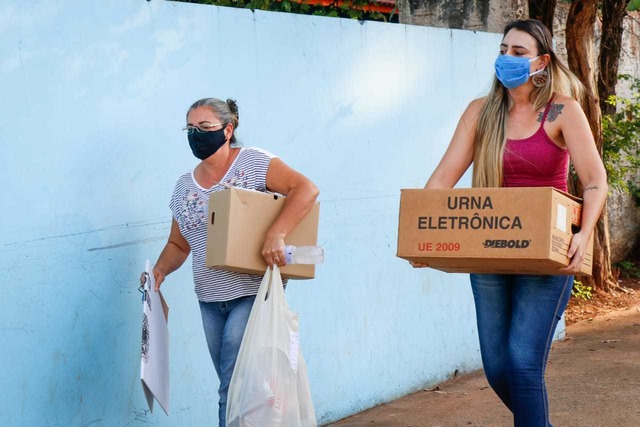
(190, 207)
(535, 161)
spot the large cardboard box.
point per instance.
(490, 230)
(237, 224)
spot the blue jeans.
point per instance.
(224, 324)
(517, 316)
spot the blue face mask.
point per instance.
(513, 71)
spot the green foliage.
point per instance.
(621, 140)
(581, 291)
(349, 9)
(634, 5)
(628, 269)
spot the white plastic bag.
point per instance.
(269, 386)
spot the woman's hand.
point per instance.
(577, 249)
(157, 275)
(273, 250)
(301, 195)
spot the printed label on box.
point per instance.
(558, 245)
(438, 246)
(561, 218)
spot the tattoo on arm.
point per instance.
(593, 187)
(554, 111)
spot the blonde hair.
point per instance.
(490, 139)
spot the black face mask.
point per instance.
(205, 144)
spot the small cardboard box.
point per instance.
(237, 224)
(490, 230)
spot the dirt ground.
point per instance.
(579, 309)
(593, 377)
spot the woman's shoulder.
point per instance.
(563, 106)
(472, 112)
(256, 152)
(477, 104)
(183, 181)
(565, 101)
(185, 177)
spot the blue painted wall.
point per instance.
(93, 100)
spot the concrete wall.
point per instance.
(475, 15)
(93, 100)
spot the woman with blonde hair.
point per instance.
(522, 134)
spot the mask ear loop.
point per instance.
(539, 78)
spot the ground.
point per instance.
(593, 377)
(600, 303)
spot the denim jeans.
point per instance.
(224, 324)
(517, 316)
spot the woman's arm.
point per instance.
(593, 177)
(172, 256)
(459, 154)
(301, 195)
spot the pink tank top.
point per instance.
(535, 161)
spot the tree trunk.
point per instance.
(543, 11)
(613, 13)
(580, 53)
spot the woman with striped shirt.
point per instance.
(225, 297)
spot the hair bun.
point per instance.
(233, 107)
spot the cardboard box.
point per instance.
(237, 224)
(490, 230)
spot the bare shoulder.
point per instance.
(476, 105)
(472, 113)
(562, 99)
(571, 123)
(563, 108)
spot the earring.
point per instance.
(540, 79)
